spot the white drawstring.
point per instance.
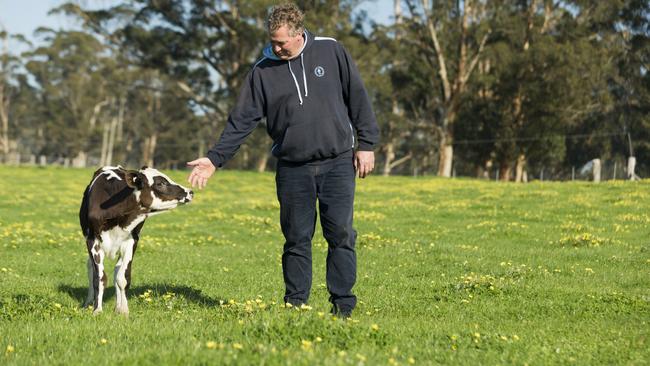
(295, 81)
(304, 78)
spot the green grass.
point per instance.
(450, 272)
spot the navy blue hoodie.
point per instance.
(314, 105)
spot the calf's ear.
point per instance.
(134, 179)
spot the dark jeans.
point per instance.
(299, 186)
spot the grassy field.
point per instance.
(450, 272)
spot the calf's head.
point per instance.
(155, 191)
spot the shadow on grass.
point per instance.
(156, 290)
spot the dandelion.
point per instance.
(361, 357)
(305, 307)
(305, 344)
(10, 349)
(411, 361)
(342, 353)
(374, 327)
(211, 345)
(57, 305)
(589, 270)
(4, 269)
(515, 337)
(238, 346)
(103, 341)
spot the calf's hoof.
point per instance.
(122, 310)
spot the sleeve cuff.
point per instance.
(363, 146)
(214, 158)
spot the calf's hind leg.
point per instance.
(91, 288)
(98, 276)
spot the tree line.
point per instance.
(510, 88)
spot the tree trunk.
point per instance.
(111, 141)
(261, 163)
(80, 161)
(504, 172)
(390, 156)
(4, 118)
(149, 150)
(102, 159)
(446, 159)
(631, 166)
(521, 164)
(596, 170)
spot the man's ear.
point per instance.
(134, 179)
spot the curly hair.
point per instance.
(286, 14)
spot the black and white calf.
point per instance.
(114, 207)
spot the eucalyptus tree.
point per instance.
(67, 71)
(12, 87)
(451, 35)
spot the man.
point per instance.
(314, 102)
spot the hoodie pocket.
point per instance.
(320, 139)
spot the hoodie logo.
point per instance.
(319, 71)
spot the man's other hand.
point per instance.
(202, 171)
(364, 162)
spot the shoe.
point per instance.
(343, 312)
(293, 303)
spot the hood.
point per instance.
(268, 53)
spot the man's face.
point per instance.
(286, 46)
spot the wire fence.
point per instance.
(612, 169)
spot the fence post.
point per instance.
(573, 173)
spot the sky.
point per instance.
(25, 16)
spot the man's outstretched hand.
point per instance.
(202, 171)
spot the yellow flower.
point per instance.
(411, 361)
(10, 349)
(306, 344)
(374, 327)
(103, 341)
(237, 346)
(211, 344)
